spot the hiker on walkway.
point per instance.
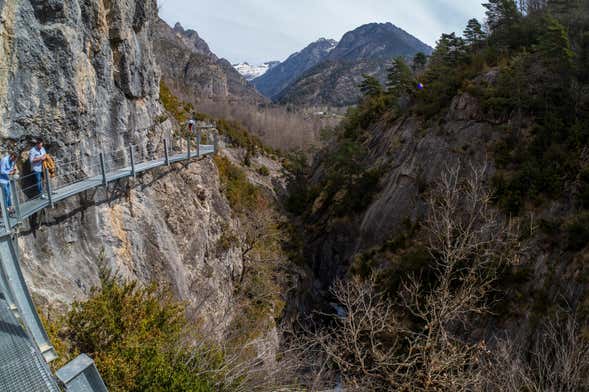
(7, 169)
(37, 156)
(191, 125)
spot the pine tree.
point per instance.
(400, 80)
(370, 86)
(452, 49)
(501, 13)
(474, 34)
(419, 62)
(555, 47)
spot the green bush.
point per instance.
(263, 171)
(360, 193)
(181, 111)
(140, 340)
(242, 195)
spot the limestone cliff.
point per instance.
(82, 74)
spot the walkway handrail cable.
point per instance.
(116, 159)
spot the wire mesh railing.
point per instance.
(27, 192)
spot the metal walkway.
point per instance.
(25, 349)
(22, 368)
(53, 195)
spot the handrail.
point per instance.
(102, 166)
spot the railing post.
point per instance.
(215, 142)
(15, 199)
(198, 140)
(166, 152)
(48, 187)
(132, 158)
(188, 142)
(103, 169)
(5, 218)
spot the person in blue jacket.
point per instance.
(7, 169)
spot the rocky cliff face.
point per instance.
(193, 72)
(273, 82)
(193, 41)
(334, 81)
(412, 154)
(83, 75)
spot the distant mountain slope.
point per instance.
(367, 50)
(273, 82)
(251, 72)
(192, 40)
(192, 71)
(382, 41)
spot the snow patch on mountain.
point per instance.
(251, 72)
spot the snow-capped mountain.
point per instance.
(275, 81)
(250, 72)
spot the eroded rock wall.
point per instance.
(82, 75)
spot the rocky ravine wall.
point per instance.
(81, 73)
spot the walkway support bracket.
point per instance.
(132, 159)
(198, 140)
(103, 169)
(166, 152)
(188, 142)
(48, 186)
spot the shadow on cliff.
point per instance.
(114, 191)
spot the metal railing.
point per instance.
(99, 168)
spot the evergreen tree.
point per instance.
(370, 86)
(419, 62)
(474, 34)
(400, 80)
(452, 49)
(555, 47)
(501, 13)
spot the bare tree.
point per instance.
(420, 342)
(557, 362)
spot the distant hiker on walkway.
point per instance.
(37, 156)
(191, 125)
(7, 169)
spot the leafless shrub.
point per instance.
(557, 362)
(420, 342)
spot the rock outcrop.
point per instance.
(193, 72)
(413, 154)
(83, 75)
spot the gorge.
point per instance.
(427, 231)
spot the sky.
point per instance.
(257, 31)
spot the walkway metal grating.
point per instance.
(22, 368)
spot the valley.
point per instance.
(370, 214)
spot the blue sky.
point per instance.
(261, 30)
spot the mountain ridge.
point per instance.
(281, 76)
(368, 49)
